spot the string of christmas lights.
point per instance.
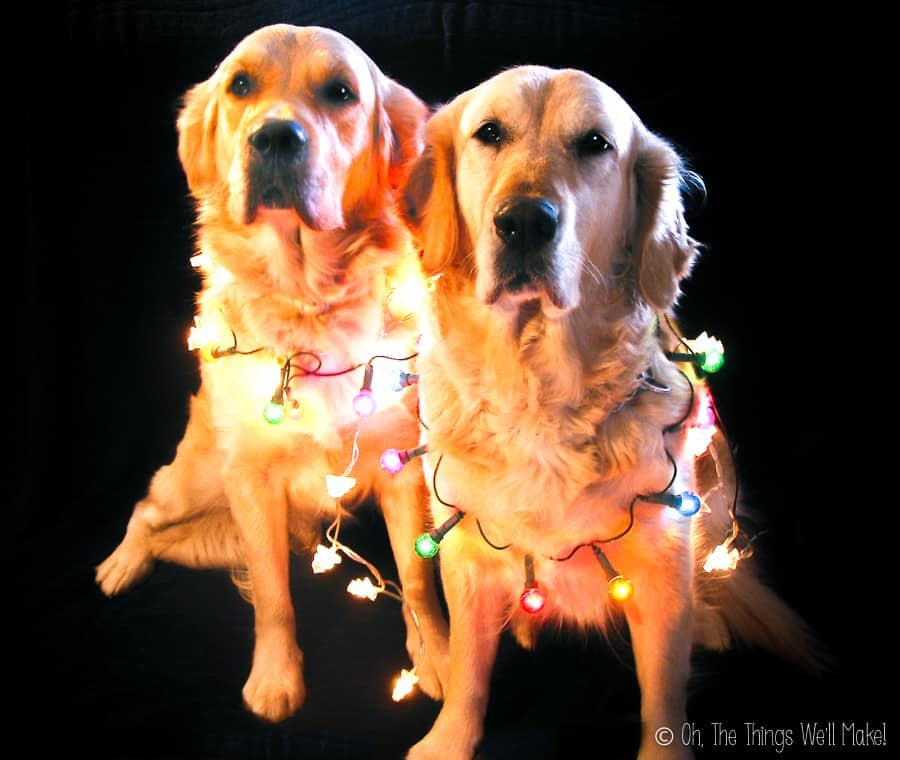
(706, 355)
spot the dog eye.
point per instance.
(241, 85)
(337, 93)
(489, 133)
(593, 144)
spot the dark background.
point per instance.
(760, 100)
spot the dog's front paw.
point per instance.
(275, 689)
(454, 736)
(129, 563)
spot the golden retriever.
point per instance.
(555, 414)
(294, 150)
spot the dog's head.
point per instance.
(544, 184)
(298, 119)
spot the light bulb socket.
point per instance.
(367, 377)
(604, 561)
(404, 380)
(444, 528)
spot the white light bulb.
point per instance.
(363, 588)
(338, 485)
(404, 684)
(325, 559)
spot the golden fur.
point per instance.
(303, 243)
(535, 415)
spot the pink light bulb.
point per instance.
(364, 403)
(392, 461)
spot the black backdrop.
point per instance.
(101, 295)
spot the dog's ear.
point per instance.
(429, 199)
(402, 128)
(660, 241)
(196, 136)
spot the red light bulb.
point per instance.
(532, 600)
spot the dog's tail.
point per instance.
(740, 606)
(736, 604)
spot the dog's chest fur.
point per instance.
(268, 326)
(547, 454)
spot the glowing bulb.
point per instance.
(404, 684)
(391, 461)
(711, 352)
(619, 588)
(688, 503)
(712, 361)
(426, 547)
(532, 600)
(364, 403)
(394, 460)
(274, 413)
(363, 588)
(697, 440)
(722, 558)
(338, 485)
(197, 336)
(325, 559)
(201, 338)
(201, 261)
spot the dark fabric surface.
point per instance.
(102, 295)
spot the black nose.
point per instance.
(525, 224)
(280, 138)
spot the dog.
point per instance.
(294, 150)
(555, 406)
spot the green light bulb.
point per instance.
(273, 412)
(426, 546)
(713, 359)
